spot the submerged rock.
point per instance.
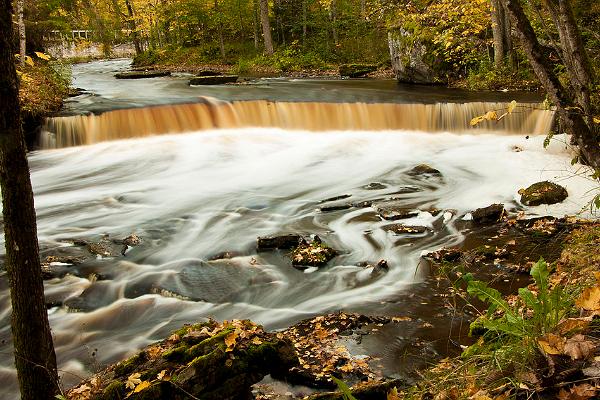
(543, 193)
(400, 229)
(374, 186)
(424, 169)
(394, 210)
(488, 215)
(213, 80)
(356, 70)
(208, 360)
(141, 74)
(289, 241)
(340, 197)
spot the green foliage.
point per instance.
(344, 389)
(485, 76)
(534, 315)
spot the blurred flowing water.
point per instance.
(217, 188)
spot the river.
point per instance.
(219, 186)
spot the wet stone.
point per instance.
(400, 229)
(394, 210)
(335, 198)
(488, 215)
(336, 207)
(213, 80)
(224, 255)
(424, 169)
(141, 74)
(100, 249)
(543, 193)
(314, 254)
(289, 241)
(374, 186)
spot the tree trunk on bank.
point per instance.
(266, 26)
(304, 21)
(574, 123)
(255, 23)
(333, 18)
(34, 352)
(220, 30)
(21, 25)
(574, 55)
(498, 31)
(133, 27)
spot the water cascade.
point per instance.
(312, 116)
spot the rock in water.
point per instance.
(394, 210)
(543, 193)
(488, 215)
(213, 80)
(266, 243)
(424, 169)
(141, 74)
(314, 254)
(356, 70)
(208, 361)
(400, 229)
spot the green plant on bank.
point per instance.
(508, 328)
(344, 389)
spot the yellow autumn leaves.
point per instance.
(493, 115)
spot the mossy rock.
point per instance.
(543, 193)
(356, 70)
(314, 254)
(233, 356)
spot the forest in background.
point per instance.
(467, 42)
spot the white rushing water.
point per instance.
(191, 196)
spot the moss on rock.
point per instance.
(543, 193)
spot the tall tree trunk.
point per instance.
(255, 12)
(304, 21)
(498, 33)
(574, 123)
(21, 25)
(220, 30)
(266, 26)
(333, 18)
(133, 27)
(34, 353)
(574, 54)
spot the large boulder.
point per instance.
(488, 215)
(543, 193)
(208, 360)
(412, 61)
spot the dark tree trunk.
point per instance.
(255, 24)
(34, 352)
(574, 123)
(266, 26)
(574, 55)
(501, 32)
(220, 30)
(133, 27)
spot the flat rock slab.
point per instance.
(213, 79)
(400, 229)
(289, 241)
(394, 210)
(141, 74)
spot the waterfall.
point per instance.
(309, 116)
